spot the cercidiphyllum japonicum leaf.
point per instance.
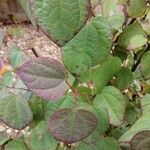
(16, 56)
(120, 52)
(143, 123)
(129, 32)
(60, 20)
(69, 127)
(16, 144)
(114, 102)
(141, 141)
(36, 104)
(124, 78)
(40, 138)
(26, 8)
(105, 72)
(94, 40)
(44, 77)
(145, 65)
(76, 61)
(137, 42)
(15, 112)
(136, 8)
(107, 143)
(68, 102)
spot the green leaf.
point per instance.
(44, 77)
(16, 144)
(129, 32)
(4, 137)
(102, 144)
(132, 114)
(120, 52)
(15, 112)
(113, 102)
(137, 42)
(108, 68)
(16, 57)
(122, 2)
(124, 78)
(76, 61)
(40, 139)
(69, 127)
(94, 40)
(116, 21)
(141, 140)
(143, 123)
(103, 119)
(136, 8)
(7, 79)
(107, 6)
(60, 20)
(36, 104)
(145, 65)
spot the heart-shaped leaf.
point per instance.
(16, 144)
(105, 72)
(141, 141)
(113, 101)
(145, 65)
(107, 143)
(136, 8)
(15, 112)
(95, 40)
(124, 78)
(60, 19)
(143, 123)
(40, 138)
(69, 127)
(44, 77)
(16, 56)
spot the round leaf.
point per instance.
(60, 20)
(101, 144)
(16, 145)
(69, 127)
(141, 141)
(15, 112)
(113, 101)
(124, 78)
(40, 138)
(145, 65)
(44, 77)
(136, 8)
(95, 40)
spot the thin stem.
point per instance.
(57, 146)
(35, 52)
(135, 66)
(74, 94)
(9, 87)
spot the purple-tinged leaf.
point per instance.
(69, 127)
(60, 20)
(44, 77)
(141, 140)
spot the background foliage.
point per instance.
(99, 97)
